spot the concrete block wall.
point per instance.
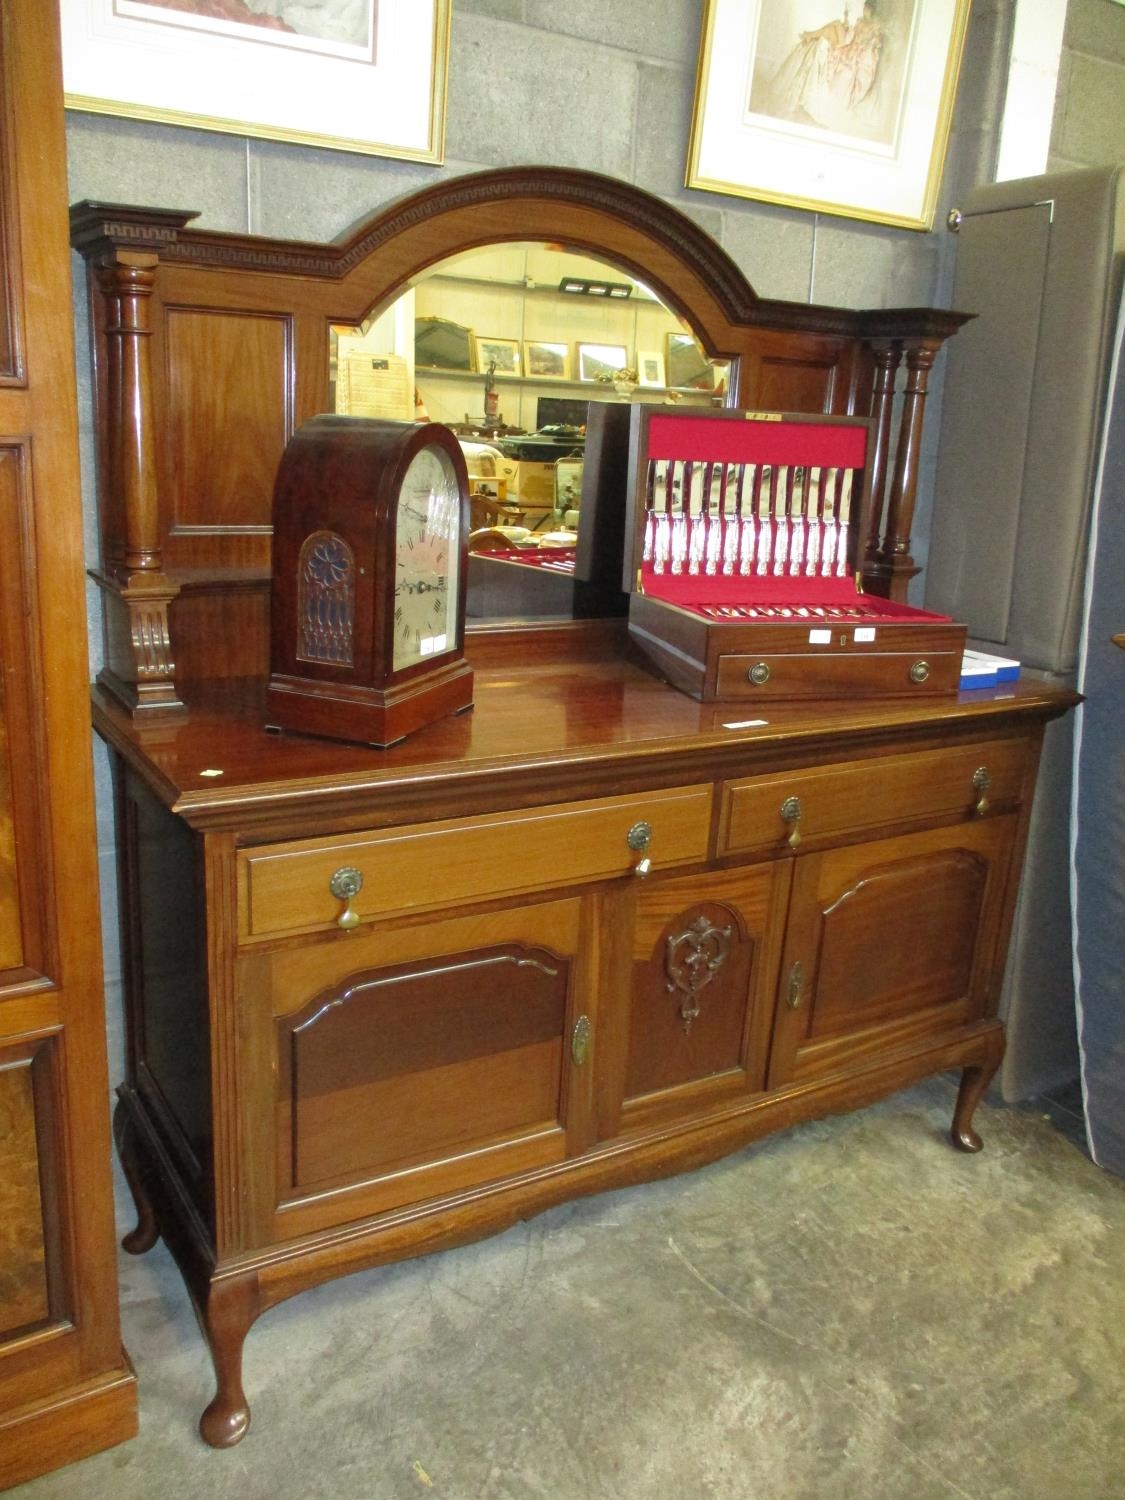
(601, 84)
(1089, 123)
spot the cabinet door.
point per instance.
(697, 957)
(412, 1061)
(887, 942)
(65, 1387)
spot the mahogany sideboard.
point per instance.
(604, 933)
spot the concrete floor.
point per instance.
(849, 1309)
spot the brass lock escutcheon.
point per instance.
(791, 813)
(982, 780)
(346, 883)
(793, 993)
(920, 671)
(639, 838)
(580, 1040)
(759, 673)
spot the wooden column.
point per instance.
(887, 354)
(894, 566)
(139, 669)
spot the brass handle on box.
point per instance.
(346, 883)
(790, 811)
(920, 671)
(759, 673)
(639, 838)
(982, 780)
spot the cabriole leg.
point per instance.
(226, 1316)
(146, 1234)
(974, 1081)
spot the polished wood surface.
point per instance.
(529, 1007)
(211, 349)
(66, 1388)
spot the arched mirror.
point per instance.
(510, 345)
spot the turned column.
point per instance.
(895, 563)
(887, 356)
(139, 668)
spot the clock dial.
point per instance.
(427, 559)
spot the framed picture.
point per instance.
(501, 355)
(688, 366)
(357, 75)
(841, 106)
(600, 361)
(650, 367)
(543, 361)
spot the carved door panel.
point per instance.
(699, 957)
(414, 1061)
(64, 1387)
(887, 942)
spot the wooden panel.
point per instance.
(921, 916)
(24, 1296)
(229, 416)
(867, 795)
(406, 1064)
(285, 888)
(816, 675)
(24, 919)
(791, 373)
(10, 370)
(928, 905)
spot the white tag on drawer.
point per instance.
(864, 633)
(820, 638)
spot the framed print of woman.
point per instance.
(845, 75)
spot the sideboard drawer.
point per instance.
(287, 888)
(760, 814)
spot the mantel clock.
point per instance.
(367, 606)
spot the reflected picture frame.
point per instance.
(600, 362)
(837, 106)
(372, 78)
(650, 368)
(688, 366)
(504, 354)
(546, 360)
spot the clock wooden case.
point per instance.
(367, 604)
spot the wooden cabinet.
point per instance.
(641, 939)
(66, 1389)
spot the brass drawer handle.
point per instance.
(920, 671)
(759, 673)
(580, 1040)
(346, 883)
(791, 813)
(982, 780)
(639, 838)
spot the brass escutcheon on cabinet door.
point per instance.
(793, 993)
(580, 1040)
(346, 882)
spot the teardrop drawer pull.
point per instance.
(346, 883)
(791, 813)
(639, 838)
(982, 780)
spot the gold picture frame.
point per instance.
(838, 106)
(504, 354)
(543, 359)
(371, 78)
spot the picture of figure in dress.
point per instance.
(330, 23)
(844, 74)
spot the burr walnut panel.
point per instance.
(229, 381)
(23, 1261)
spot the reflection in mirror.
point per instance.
(509, 345)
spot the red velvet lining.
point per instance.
(695, 590)
(723, 440)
